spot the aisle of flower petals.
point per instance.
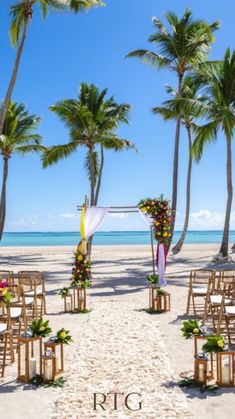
(121, 350)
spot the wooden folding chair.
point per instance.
(219, 298)
(40, 292)
(198, 288)
(6, 339)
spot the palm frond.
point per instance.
(204, 135)
(53, 154)
(17, 22)
(32, 148)
(113, 142)
(19, 130)
(83, 5)
(150, 57)
(159, 25)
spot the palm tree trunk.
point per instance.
(92, 195)
(175, 167)
(179, 244)
(225, 240)
(3, 197)
(100, 174)
(13, 76)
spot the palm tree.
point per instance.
(219, 82)
(91, 120)
(171, 110)
(180, 48)
(21, 14)
(18, 137)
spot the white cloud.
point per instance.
(118, 215)
(67, 215)
(28, 222)
(205, 219)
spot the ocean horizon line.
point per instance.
(129, 237)
(110, 231)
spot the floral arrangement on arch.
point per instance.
(159, 210)
(5, 295)
(81, 270)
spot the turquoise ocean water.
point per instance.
(103, 238)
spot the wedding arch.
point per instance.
(156, 213)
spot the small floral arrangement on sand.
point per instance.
(40, 328)
(152, 279)
(191, 328)
(215, 343)
(160, 212)
(64, 292)
(5, 295)
(63, 336)
(81, 271)
(160, 291)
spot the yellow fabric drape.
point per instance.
(82, 244)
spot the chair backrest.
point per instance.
(28, 284)
(227, 272)
(201, 276)
(15, 292)
(6, 276)
(37, 275)
(227, 285)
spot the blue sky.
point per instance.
(65, 50)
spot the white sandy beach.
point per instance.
(117, 346)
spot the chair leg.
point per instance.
(4, 354)
(11, 347)
(188, 302)
(220, 315)
(194, 307)
(44, 304)
(227, 327)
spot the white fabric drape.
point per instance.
(146, 218)
(93, 219)
(161, 264)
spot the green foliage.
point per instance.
(38, 382)
(190, 328)
(19, 134)
(92, 120)
(180, 47)
(40, 328)
(215, 343)
(63, 336)
(191, 383)
(22, 12)
(153, 279)
(64, 291)
(218, 84)
(160, 292)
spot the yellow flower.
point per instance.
(220, 343)
(195, 330)
(4, 291)
(62, 335)
(80, 257)
(42, 328)
(157, 223)
(165, 234)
